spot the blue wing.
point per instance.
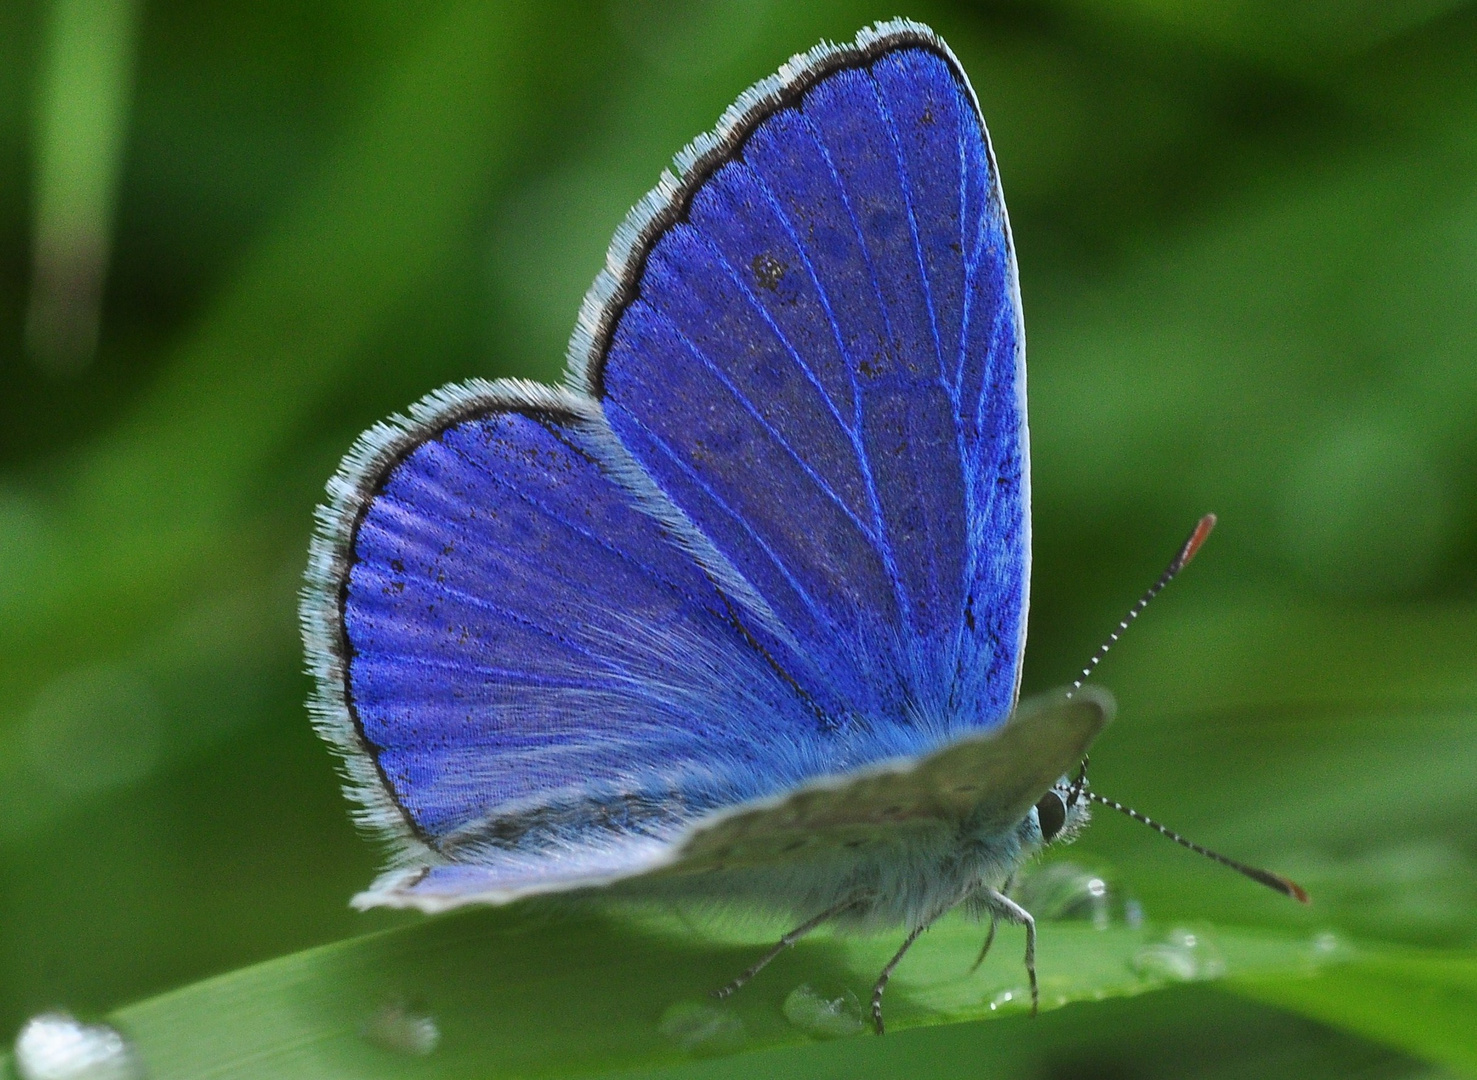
(813, 345)
(777, 530)
(529, 661)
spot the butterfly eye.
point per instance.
(1051, 814)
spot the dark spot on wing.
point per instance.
(768, 271)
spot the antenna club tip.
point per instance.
(1286, 886)
(1197, 538)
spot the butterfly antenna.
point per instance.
(1180, 561)
(1285, 886)
(1079, 784)
(1192, 544)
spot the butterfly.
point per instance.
(738, 611)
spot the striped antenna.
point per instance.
(1286, 886)
(1180, 561)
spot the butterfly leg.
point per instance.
(887, 973)
(990, 937)
(784, 943)
(1007, 908)
(985, 948)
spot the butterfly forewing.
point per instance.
(821, 364)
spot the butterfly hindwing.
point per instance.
(980, 784)
(529, 661)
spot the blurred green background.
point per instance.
(232, 235)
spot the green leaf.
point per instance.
(544, 990)
(1424, 1004)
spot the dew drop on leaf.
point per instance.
(58, 1046)
(823, 1017)
(1017, 998)
(703, 1029)
(1061, 891)
(1180, 956)
(404, 1030)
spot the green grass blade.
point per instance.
(545, 991)
(1424, 1004)
(158, 503)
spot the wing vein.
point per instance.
(905, 182)
(825, 301)
(863, 461)
(559, 681)
(494, 608)
(753, 301)
(646, 570)
(769, 429)
(889, 556)
(971, 265)
(695, 478)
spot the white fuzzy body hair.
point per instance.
(906, 882)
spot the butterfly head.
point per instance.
(1064, 810)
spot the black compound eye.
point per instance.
(1051, 814)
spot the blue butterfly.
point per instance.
(738, 612)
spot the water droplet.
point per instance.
(1181, 956)
(703, 1029)
(1064, 890)
(404, 1030)
(826, 1018)
(1016, 998)
(58, 1046)
(1326, 945)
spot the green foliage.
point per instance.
(562, 995)
(1248, 242)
